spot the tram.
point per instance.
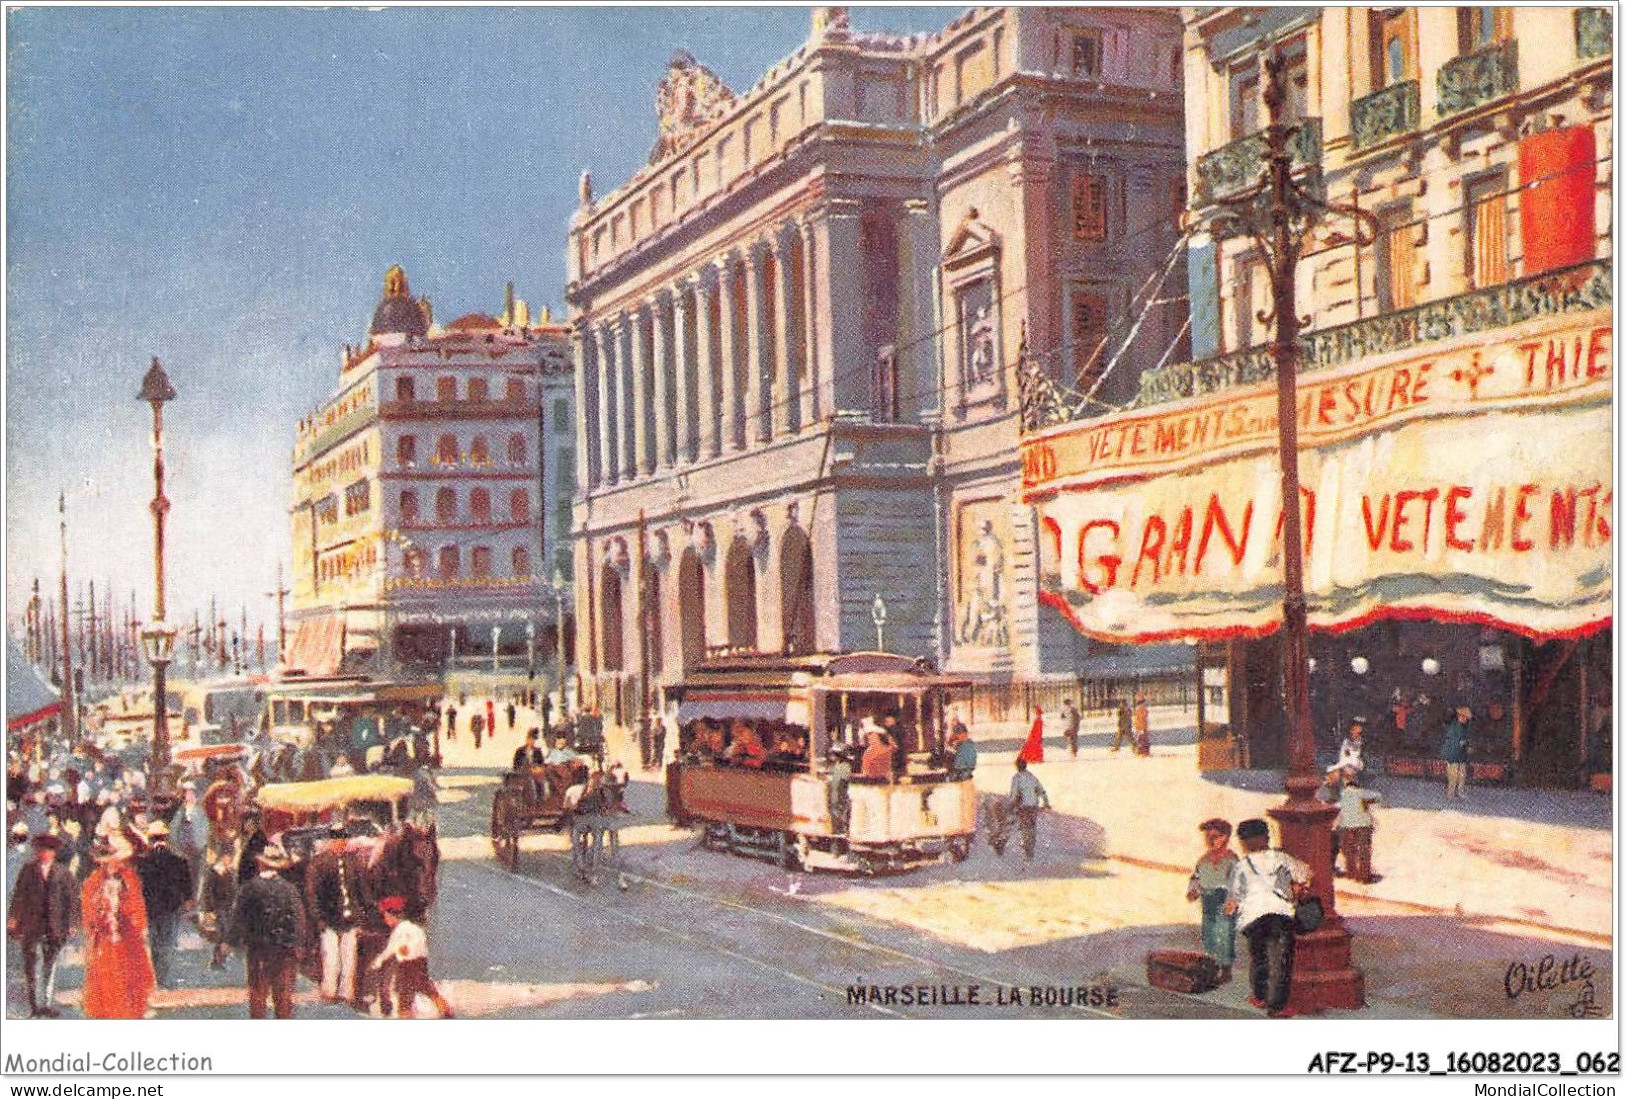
(769, 758)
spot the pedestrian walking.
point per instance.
(1455, 750)
(451, 723)
(513, 711)
(1263, 894)
(268, 925)
(1142, 727)
(1027, 796)
(547, 710)
(1033, 750)
(216, 902)
(335, 900)
(1352, 751)
(407, 952)
(1210, 884)
(491, 718)
(1125, 725)
(118, 978)
(1355, 825)
(963, 766)
(40, 918)
(476, 726)
(166, 890)
(189, 831)
(1070, 720)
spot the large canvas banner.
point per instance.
(1167, 524)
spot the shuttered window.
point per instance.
(1487, 231)
(1089, 207)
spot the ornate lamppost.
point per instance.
(158, 637)
(1278, 214)
(877, 615)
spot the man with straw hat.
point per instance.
(166, 888)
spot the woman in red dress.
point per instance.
(118, 970)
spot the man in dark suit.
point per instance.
(269, 926)
(166, 887)
(530, 753)
(41, 917)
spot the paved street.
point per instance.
(700, 934)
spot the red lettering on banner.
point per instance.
(1137, 443)
(1589, 495)
(1419, 392)
(1167, 437)
(1522, 515)
(1307, 495)
(1107, 561)
(1454, 516)
(1151, 540)
(1602, 340)
(1374, 534)
(1396, 543)
(1215, 520)
(1052, 539)
(1564, 514)
(1182, 542)
(1530, 350)
(1605, 530)
(1400, 391)
(1328, 402)
(1429, 496)
(1495, 518)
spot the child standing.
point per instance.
(408, 951)
(1210, 883)
(1354, 825)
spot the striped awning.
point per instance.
(317, 647)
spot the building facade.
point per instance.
(431, 497)
(800, 330)
(1453, 413)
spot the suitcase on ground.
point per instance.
(1181, 971)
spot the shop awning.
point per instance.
(317, 648)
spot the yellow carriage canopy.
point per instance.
(329, 793)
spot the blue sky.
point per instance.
(223, 188)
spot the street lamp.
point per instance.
(158, 638)
(558, 634)
(877, 614)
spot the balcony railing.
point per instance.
(1231, 169)
(1387, 112)
(1593, 32)
(1477, 78)
(1588, 285)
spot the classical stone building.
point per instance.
(800, 328)
(1453, 423)
(431, 496)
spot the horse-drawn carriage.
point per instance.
(574, 798)
(796, 796)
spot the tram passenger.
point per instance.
(562, 752)
(877, 755)
(840, 780)
(745, 747)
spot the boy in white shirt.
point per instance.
(1261, 899)
(408, 951)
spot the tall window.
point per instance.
(479, 451)
(450, 566)
(357, 498)
(1478, 28)
(516, 450)
(479, 505)
(1089, 355)
(521, 563)
(1296, 77)
(519, 505)
(445, 505)
(445, 389)
(563, 422)
(1396, 262)
(414, 562)
(478, 389)
(1487, 230)
(1393, 46)
(404, 389)
(1244, 103)
(445, 450)
(479, 562)
(1088, 207)
(516, 389)
(409, 507)
(1086, 55)
(406, 450)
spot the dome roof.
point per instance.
(473, 322)
(396, 311)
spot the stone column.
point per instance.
(733, 432)
(626, 405)
(609, 458)
(586, 424)
(811, 407)
(682, 364)
(664, 441)
(705, 355)
(786, 346)
(759, 356)
(643, 449)
(917, 362)
(844, 348)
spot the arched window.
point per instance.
(516, 389)
(521, 563)
(449, 564)
(405, 390)
(445, 389)
(691, 606)
(445, 450)
(414, 563)
(517, 449)
(478, 390)
(445, 505)
(741, 589)
(409, 507)
(519, 505)
(406, 450)
(795, 585)
(479, 505)
(609, 603)
(479, 451)
(479, 562)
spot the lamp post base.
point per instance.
(1323, 972)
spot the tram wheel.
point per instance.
(959, 848)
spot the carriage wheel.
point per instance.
(504, 831)
(959, 848)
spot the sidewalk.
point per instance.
(1535, 860)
